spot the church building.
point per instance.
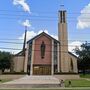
(44, 55)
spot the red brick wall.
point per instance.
(37, 54)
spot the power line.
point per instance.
(3, 10)
(39, 44)
(9, 48)
(36, 50)
(34, 12)
(23, 39)
(11, 15)
(8, 39)
(29, 19)
(41, 16)
(44, 19)
(33, 50)
(10, 42)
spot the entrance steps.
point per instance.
(46, 79)
(28, 86)
(32, 82)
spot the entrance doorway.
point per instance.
(42, 70)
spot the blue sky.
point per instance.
(42, 15)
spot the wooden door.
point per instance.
(42, 70)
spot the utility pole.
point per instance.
(24, 44)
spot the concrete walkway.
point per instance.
(35, 80)
(32, 82)
(88, 79)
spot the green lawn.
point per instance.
(4, 80)
(78, 83)
(85, 76)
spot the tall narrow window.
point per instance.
(71, 65)
(43, 46)
(63, 16)
(55, 57)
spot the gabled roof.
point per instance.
(43, 33)
(19, 53)
(73, 54)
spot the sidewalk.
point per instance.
(61, 88)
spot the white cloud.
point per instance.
(55, 36)
(83, 19)
(31, 34)
(23, 4)
(26, 23)
(73, 45)
(46, 31)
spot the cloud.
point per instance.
(31, 34)
(46, 31)
(23, 4)
(83, 19)
(26, 23)
(73, 45)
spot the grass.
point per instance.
(78, 83)
(85, 76)
(74, 83)
(4, 80)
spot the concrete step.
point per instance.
(35, 80)
(28, 86)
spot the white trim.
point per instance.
(58, 62)
(32, 57)
(52, 58)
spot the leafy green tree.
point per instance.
(5, 60)
(83, 57)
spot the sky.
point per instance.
(42, 15)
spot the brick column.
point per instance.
(32, 58)
(26, 58)
(58, 62)
(52, 69)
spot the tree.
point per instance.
(5, 60)
(83, 57)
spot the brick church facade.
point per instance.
(45, 55)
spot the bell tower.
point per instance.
(63, 38)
